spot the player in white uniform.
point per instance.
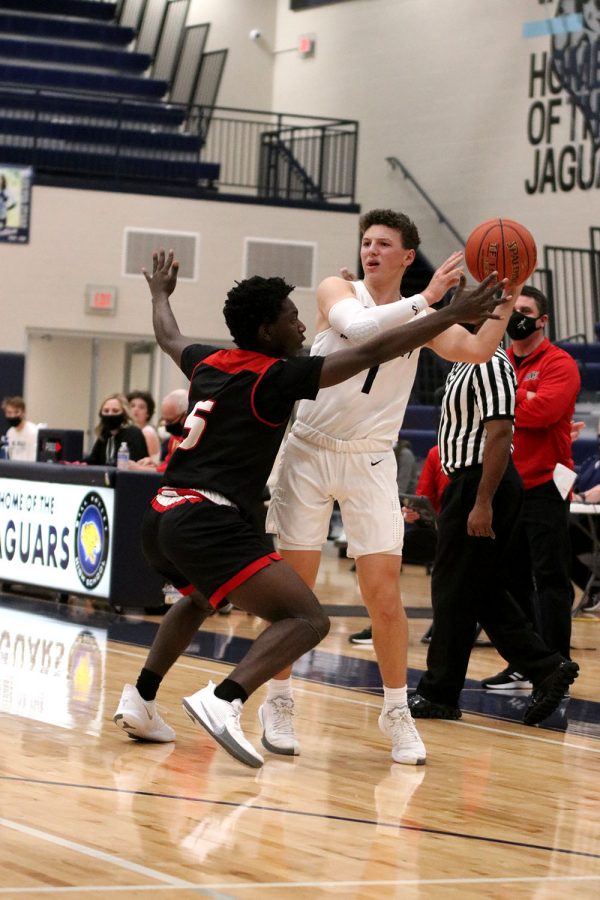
(340, 449)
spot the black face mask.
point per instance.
(175, 428)
(520, 327)
(111, 423)
(14, 421)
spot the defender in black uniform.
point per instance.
(196, 533)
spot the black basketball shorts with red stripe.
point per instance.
(203, 546)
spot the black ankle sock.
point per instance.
(230, 690)
(148, 684)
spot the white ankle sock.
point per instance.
(279, 687)
(394, 697)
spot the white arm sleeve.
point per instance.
(359, 324)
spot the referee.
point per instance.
(479, 509)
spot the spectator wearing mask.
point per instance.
(113, 429)
(173, 411)
(21, 434)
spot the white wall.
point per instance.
(248, 76)
(77, 238)
(442, 85)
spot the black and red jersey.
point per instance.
(239, 405)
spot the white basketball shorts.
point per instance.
(310, 478)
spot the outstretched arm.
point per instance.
(466, 306)
(162, 283)
(457, 345)
(339, 308)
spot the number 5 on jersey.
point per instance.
(195, 424)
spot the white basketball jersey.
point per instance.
(369, 406)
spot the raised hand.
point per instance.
(164, 273)
(472, 305)
(445, 277)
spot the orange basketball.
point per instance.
(503, 246)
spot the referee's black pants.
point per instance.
(544, 548)
(469, 586)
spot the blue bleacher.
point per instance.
(421, 416)
(421, 440)
(46, 26)
(131, 167)
(584, 447)
(88, 9)
(581, 351)
(47, 103)
(49, 51)
(74, 99)
(587, 356)
(46, 130)
(81, 80)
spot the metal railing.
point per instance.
(274, 156)
(573, 290)
(396, 164)
(279, 155)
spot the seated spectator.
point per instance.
(141, 405)
(173, 412)
(420, 539)
(113, 429)
(408, 470)
(21, 434)
(586, 490)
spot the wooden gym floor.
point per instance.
(500, 810)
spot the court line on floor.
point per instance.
(307, 814)
(209, 889)
(297, 689)
(170, 880)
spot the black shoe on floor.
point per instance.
(421, 708)
(363, 638)
(548, 694)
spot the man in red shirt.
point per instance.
(548, 383)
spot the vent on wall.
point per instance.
(139, 246)
(295, 261)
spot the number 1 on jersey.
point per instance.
(371, 375)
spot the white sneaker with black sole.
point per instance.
(140, 718)
(276, 717)
(407, 746)
(222, 720)
(507, 680)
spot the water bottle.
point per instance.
(123, 456)
(4, 447)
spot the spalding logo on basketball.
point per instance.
(503, 246)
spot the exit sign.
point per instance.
(306, 45)
(101, 299)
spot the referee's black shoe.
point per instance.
(547, 695)
(422, 708)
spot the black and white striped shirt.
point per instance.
(474, 394)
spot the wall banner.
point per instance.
(15, 204)
(57, 536)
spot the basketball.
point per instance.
(503, 246)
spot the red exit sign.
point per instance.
(101, 298)
(306, 45)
